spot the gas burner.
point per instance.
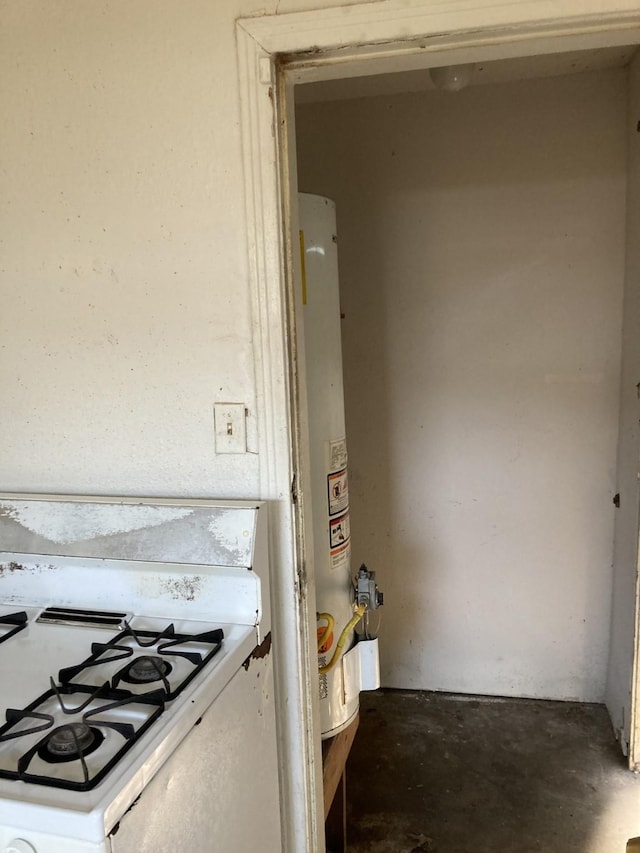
(145, 669)
(146, 653)
(104, 725)
(70, 742)
(16, 622)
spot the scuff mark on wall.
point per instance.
(64, 523)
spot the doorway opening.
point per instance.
(482, 242)
(353, 46)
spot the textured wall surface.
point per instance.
(124, 300)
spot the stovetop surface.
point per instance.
(31, 662)
(197, 565)
(32, 656)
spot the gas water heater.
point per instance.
(347, 650)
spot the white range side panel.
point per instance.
(219, 791)
(327, 442)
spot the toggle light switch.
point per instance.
(230, 427)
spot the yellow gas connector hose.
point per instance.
(357, 616)
(322, 638)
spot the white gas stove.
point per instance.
(107, 661)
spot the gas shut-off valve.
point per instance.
(367, 591)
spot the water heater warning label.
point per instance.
(338, 492)
(337, 454)
(339, 531)
(339, 557)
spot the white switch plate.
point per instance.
(230, 427)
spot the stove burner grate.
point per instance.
(17, 622)
(75, 741)
(147, 668)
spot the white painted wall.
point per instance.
(481, 240)
(124, 301)
(623, 612)
(124, 314)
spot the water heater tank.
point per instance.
(357, 668)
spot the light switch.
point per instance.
(230, 427)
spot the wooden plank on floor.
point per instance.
(336, 822)
(335, 758)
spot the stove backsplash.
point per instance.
(129, 529)
(192, 559)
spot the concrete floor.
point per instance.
(436, 773)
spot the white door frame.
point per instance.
(274, 53)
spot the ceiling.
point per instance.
(497, 71)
